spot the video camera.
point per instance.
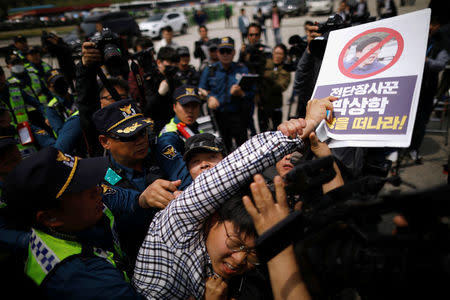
(340, 244)
(46, 36)
(256, 58)
(295, 52)
(317, 46)
(108, 43)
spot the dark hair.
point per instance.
(168, 28)
(256, 25)
(282, 46)
(144, 42)
(308, 22)
(361, 45)
(202, 26)
(233, 210)
(169, 54)
(115, 81)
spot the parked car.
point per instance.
(266, 8)
(316, 7)
(154, 24)
(293, 7)
(119, 22)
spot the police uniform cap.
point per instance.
(185, 94)
(53, 76)
(213, 44)
(42, 178)
(226, 43)
(183, 51)
(203, 142)
(121, 118)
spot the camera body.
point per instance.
(317, 46)
(108, 43)
(256, 58)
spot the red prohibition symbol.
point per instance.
(349, 70)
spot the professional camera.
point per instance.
(146, 60)
(108, 43)
(46, 36)
(256, 61)
(340, 244)
(295, 52)
(317, 46)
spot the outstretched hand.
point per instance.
(265, 212)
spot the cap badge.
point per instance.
(130, 128)
(127, 110)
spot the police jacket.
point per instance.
(190, 76)
(218, 81)
(89, 267)
(132, 228)
(170, 151)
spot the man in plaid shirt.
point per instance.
(177, 257)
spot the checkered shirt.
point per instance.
(173, 262)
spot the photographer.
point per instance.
(275, 81)
(160, 86)
(142, 59)
(55, 46)
(254, 56)
(95, 53)
(201, 46)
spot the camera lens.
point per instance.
(111, 51)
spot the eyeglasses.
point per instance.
(254, 34)
(131, 138)
(235, 245)
(225, 51)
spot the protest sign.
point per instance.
(375, 69)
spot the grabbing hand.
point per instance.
(292, 128)
(319, 148)
(90, 55)
(159, 193)
(216, 288)
(316, 111)
(266, 212)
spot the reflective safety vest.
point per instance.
(16, 101)
(65, 112)
(172, 127)
(35, 90)
(45, 252)
(19, 113)
(31, 69)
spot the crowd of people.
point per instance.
(111, 189)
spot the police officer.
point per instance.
(35, 63)
(15, 101)
(170, 145)
(74, 251)
(202, 152)
(225, 96)
(186, 73)
(19, 47)
(63, 116)
(124, 134)
(212, 45)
